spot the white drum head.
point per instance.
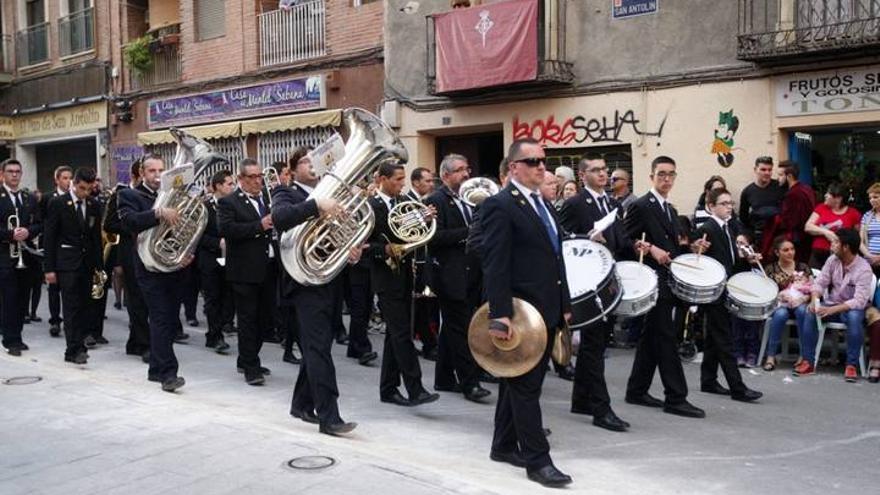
(636, 279)
(752, 288)
(702, 271)
(587, 264)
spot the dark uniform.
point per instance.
(425, 309)
(53, 291)
(14, 282)
(213, 278)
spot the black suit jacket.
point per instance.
(29, 217)
(291, 207)
(209, 244)
(717, 250)
(383, 278)
(645, 215)
(519, 259)
(113, 225)
(581, 212)
(452, 269)
(135, 211)
(70, 242)
(247, 244)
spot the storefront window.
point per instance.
(277, 146)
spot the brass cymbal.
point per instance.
(513, 357)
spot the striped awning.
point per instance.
(326, 118)
(211, 131)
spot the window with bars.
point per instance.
(232, 148)
(276, 146)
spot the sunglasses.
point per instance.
(532, 162)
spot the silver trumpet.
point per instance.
(15, 248)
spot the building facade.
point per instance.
(712, 84)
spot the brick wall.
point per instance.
(219, 57)
(352, 29)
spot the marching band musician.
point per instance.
(425, 309)
(62, 176)
(245, 222)
(138, 343)
(160, 290)
(521, 256)
(455, 278)
(287, 324)
(578, 215)
(212, 275)
(73, 255)
(19, 222)
(652, 216)
(394, 288)
(316, 392)
(721, 235)
(98, 307)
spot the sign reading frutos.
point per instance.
(292, 95)
(849, 90)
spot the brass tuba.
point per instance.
(165, 248)
(476, 189)
(314, 252)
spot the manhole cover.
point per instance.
(311, 462)
(22, 380)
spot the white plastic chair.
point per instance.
(837, 326)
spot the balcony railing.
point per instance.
(76, 32)
(166, 69)
(32, 45)
(293, 34)
(775, 29)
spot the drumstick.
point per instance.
(682, 263)
(642, 254)
(700, 248)
(740, 289)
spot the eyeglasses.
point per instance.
(597, 170)
(251, 176)
(615, 179)
(667, 175)
(532, 162)
(462, 169)
(12, 172)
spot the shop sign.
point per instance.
(70, 120)
(121, 158)
(621, 9)
(828, 92)
(293, 95)
(7, 129)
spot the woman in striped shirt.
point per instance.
(871, 229)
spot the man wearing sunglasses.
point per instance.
(620, 188)
(522, 258)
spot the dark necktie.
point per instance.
(17, 200)
(603, 207)
(80, 212)
(729, 243)
(261, 208)
(667, 211)
(545, 218)
(392, 202)
(466, 211)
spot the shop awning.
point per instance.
(326, 118)
(212, 131)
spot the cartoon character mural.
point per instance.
(722, 146)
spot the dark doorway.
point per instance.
(618, 156)
(484, 151)
(79, 153)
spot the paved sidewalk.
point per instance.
(103, 429)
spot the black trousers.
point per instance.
(76, 300)
(518, 423)
(338, 296)
(399, 358)
(98, 308)
(254, 308)
(658, 348)
(425, 315)
(190, 291)
(316, 383)
(35, 287)
(138, 327)
(212, 281)
(718, 350)
(228, 312)
(13, 304)
(453, 352)
(360, 305)
(590, 392)
(160, 291)
(54, 294)
(288, 325)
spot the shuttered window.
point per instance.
(210, 19)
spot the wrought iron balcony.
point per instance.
(76, 32)
(32, 45)
(782, 29)
(293, 34)
(165, 69)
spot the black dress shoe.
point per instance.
(714, 388)
(513, 458)
(90, 342)
(181, 337)
(423, 397)
(337, 429)
(221, 347)
(430, 354)
(307, 416)
(14, 351)
(26, 320)
(172, 384)
(610, 421)
(447, 388)
(546, 431)
(685, 409)
(748, 395)
(272, 338)
(476, 393)
(566, 373)
(367, 358)
(229, 328)
(24, 347)
(342, 339)
(36, 319)
(263, 370)
(290, 358)
(395, 398)
(192, 322)
(549, 476)
(646, 400)
(145, 357)
(254, 378)
(117, 305)
(80, 358)
(101, 340)
(55, 330)
(154, 378)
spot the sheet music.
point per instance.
(603, 224)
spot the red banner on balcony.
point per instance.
(487, 45)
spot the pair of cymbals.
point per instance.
(515, 356)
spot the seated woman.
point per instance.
(794, 281)
(827, 218)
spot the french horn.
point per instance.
(476, 189)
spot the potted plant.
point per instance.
(138, 54)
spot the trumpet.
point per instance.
(15, 248)
(270, 176)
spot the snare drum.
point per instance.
(751, 296)
(639, 288)
(697, 279)
(592, 280)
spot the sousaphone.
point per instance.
(513, 357)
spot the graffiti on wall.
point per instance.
(583, 130)
(722, 144)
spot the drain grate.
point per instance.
(311, 462)
(22, 380)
